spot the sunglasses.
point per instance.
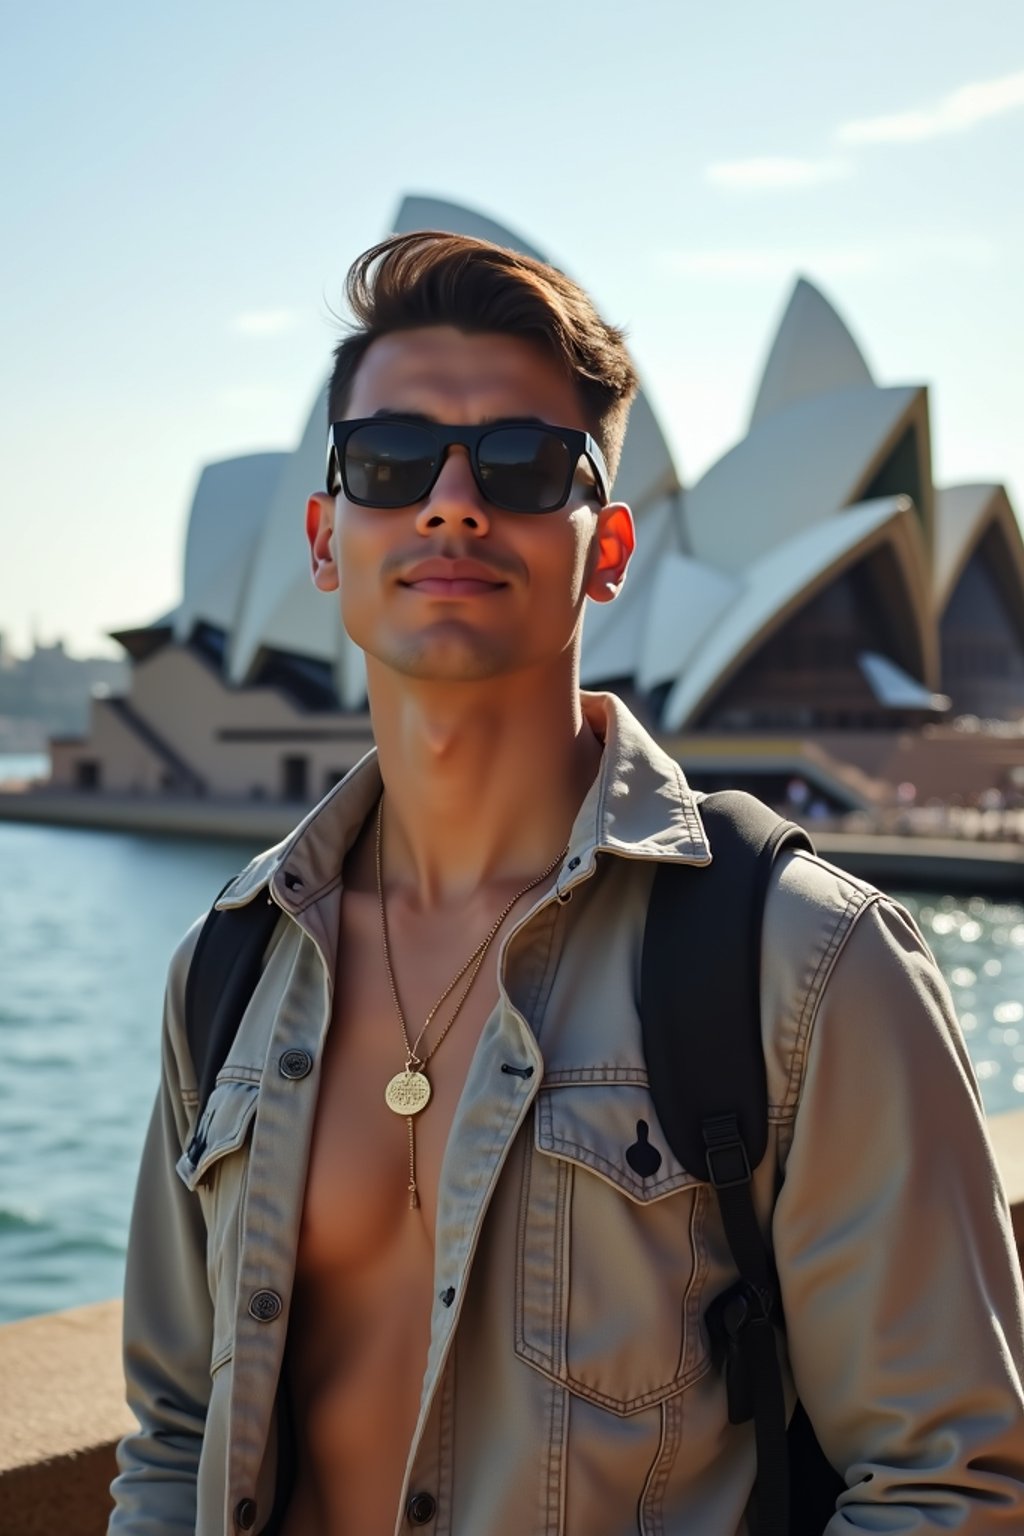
(518, 466)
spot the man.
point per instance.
(404, 1272)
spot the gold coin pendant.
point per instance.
(407, 1093)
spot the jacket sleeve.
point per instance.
(899, 1279)
(168, 1314)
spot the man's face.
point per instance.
(521, 606)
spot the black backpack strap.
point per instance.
(701, 1016)
(226, 965)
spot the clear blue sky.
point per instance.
(184, 186)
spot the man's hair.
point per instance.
(434, 278)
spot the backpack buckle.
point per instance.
(725, 1152)
(728, 1318)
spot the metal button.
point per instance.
(245, 1514)
(295, 1064)
(421, 1508)
(264, 1306)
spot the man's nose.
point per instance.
(455, 500)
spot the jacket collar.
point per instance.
(639, 807)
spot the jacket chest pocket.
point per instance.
(610, 1252)
(215, 1167)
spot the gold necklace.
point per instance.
(409, 1091)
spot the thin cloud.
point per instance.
(956, 113)
(265, 322)
(769, 174)
(778, 263)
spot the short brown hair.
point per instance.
(435, 278)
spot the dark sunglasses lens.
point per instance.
(524, 469)
(390, 463)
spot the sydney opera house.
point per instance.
(814, 608)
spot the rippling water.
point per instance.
(87, 922)
(979, 944)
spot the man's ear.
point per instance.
(614, 542)
(320, 533)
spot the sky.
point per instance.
(183, 189)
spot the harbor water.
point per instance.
(87, 922)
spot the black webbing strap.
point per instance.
(700, 1007)
(741, 1325)
(226, 965)
(700, 979)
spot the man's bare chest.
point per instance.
(358, 1179)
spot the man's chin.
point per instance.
(444, 659)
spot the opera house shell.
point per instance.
(813, 605)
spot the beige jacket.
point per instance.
(569, 1389)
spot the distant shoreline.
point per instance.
(22, 768)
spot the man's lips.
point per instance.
(452, 578)
(463, 586)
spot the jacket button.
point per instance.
(245, 1514)
(264, 1306)
(421, 1509)
(295, 1064)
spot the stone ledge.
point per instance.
(62, 1410)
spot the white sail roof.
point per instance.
(813, 354)
(418, 212)
(794, 468)
(228, 512)
(963, 515)
(894, 688)
(684, 602)
(280, 607)
(785, 578)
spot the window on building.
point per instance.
(87, 773)
(295, 778)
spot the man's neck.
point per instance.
(482, 781)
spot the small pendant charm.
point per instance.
(407, 1093)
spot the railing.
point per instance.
(62, 1410)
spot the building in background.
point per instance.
(47, 693)
(814, 618)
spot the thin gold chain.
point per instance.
(414, 1062)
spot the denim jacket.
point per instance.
(569, 1389)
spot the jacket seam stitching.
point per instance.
(857, 903)
(599, 1073)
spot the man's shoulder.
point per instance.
(811, 914)
(807, 889)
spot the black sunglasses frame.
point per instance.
(579, 445)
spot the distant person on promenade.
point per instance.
(425, 1256)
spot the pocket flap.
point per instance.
(222, 1128)
(612, 1129)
